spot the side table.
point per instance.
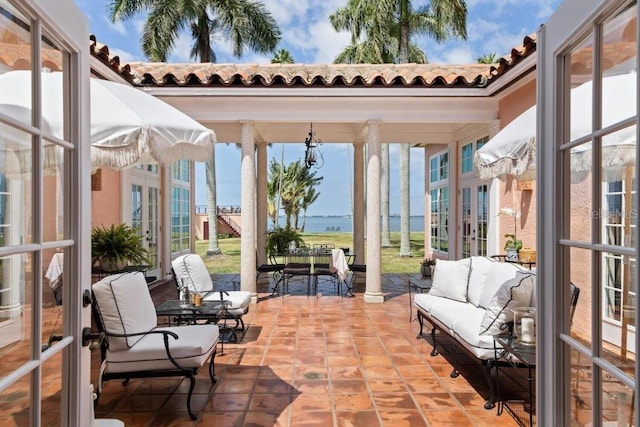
(510, 353)
(420, 285)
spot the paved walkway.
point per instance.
(321, 361)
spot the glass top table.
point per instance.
(187, 312)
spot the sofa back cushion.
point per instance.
(125, 307)
(191, 268)
(513, 293)
(498, 273)
(480, 266)
(450, 279)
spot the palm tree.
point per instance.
(296, 187)
(282, 56)
(489, 58)
(247, 23)
(386, 27)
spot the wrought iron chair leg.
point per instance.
(434, 352)
(491, 401)
(192, 384)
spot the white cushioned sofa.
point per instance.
(471, 301)
(134, 345)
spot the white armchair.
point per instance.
(134, 346)
(191, 268)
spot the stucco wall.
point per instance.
(511, 106)
(106, 201)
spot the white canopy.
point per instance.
(128, 126)
(513, 150)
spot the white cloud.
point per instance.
(119, 27)
(125, 56)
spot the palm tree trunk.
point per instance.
(384, 195)
(405, 152)
(212, 206)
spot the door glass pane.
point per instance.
(618, 313)
(153, 227)
(136, 207)
(16, 55)
(482, 220)
(580, 100)
(52, 301)
(617, 402)
(53, 193)
(52, 87)
(52, 391)
(581, 213)
(580, 263)
(15, 403)
(619, 59)
(465, 218)
(16, 294)
(581, 393)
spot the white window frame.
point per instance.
(440, 187)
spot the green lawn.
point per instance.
(229, 261)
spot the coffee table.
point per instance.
(183, 312)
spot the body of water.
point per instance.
(342, 224)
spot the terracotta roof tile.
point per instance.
(307, 75)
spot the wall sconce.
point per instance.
(312, 152)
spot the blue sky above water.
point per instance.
(493, 26)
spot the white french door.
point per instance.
(587, 170)
(474, 198)
(142, 210)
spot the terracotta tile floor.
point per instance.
(325, 361)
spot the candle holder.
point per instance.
(524, 320)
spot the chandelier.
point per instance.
(312, 153)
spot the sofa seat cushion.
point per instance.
(190, 268)
(466, 331)
(239, 301)
(426, 302)
(193, 347)
(448, 314)
(513, 293)
(125, 307)
(450, 279)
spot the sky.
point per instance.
(493, 26)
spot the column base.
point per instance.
(254, 298)
(373, 298)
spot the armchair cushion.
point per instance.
(191, 350)
(450, 279)
(125, 307)
(191, 268)
(238, 301)
(498, 273)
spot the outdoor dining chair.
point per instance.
(297, 264)
(322, 264)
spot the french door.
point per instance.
(143, 211)
(474, 205)
(587, 171)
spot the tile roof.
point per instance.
(312, 75)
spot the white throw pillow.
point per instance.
(125, 307)
(513, 293)
(498, 273)
(191, 268)
(450, 279)
(480, 266)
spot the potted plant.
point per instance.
(115, 247)
(426, 267)
(279, 239)
(512, 245)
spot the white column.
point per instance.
(248, 206)
(358, 202)
(427, 202)
(373, 293)
(454, 200)
(261, 203)
(495, 189)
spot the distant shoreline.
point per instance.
(343, 223)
